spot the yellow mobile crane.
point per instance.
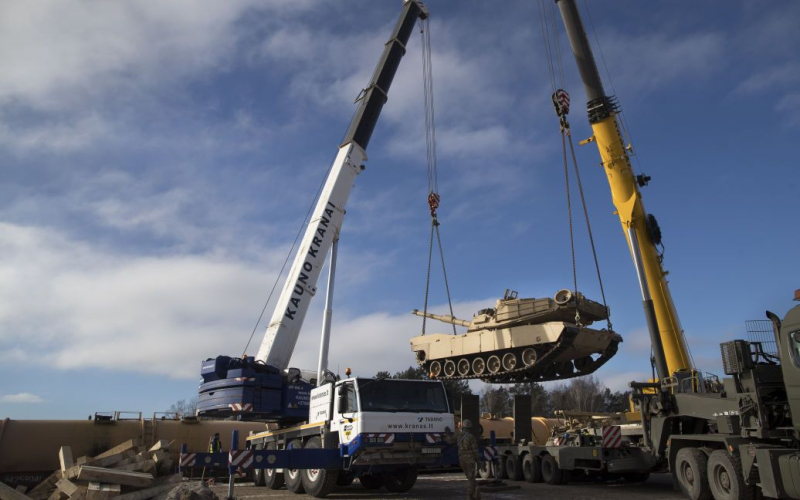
(641, 229)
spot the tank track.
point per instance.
(542, 369)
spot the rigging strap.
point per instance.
(433, 177)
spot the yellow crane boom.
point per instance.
(640, 229)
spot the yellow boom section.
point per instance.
(628, 201)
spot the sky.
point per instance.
(159, 157)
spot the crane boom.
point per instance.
(640, 229)
(326, 221)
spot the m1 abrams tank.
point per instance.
(520, 340)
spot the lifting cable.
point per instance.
(561, 104)
(433, 176)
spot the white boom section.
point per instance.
(301, 283)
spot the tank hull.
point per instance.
(529, 352)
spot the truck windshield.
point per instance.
(402, 395)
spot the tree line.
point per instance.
(579, 394)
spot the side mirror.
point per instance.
(341, 407)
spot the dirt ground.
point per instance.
(453, 486)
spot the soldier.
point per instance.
(467, 457)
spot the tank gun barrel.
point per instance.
(444, 319)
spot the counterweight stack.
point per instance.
(520, 340)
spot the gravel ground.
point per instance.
(453, 486)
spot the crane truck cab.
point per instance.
(384, 430)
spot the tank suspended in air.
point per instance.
(521, 340)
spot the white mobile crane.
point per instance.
(378, 430)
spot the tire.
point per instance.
(345, 478)
(293, 477)
(725, 477)
(371, 481)
(258, 474)
(636, 477)
(532, 468)
(318, 483)
(499, 468)
(513, 468)
(551, 472)
(485, 470)
(272, 478)
(401, 480)
(690, 469)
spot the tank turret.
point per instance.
(529, 339)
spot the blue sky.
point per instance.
(157, 158)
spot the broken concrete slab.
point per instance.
(114, 476)
(65, 458)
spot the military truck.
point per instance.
(520, 339)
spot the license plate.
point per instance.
(431, 450)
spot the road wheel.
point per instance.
(513, 468)
(463, 367)
(371, 481)
(551, 472)
(690, 470)
(435, 369)
(478, 366)
(725, 477)
(509, 361)
(318, 482)
(529, 356)
(494, 364)
(636, 477)
(485, 470)
(272, 478)
(294, 481)
(400, 480)
(532, 468)
(345, 478)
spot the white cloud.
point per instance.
(52, 53)
(22, 397)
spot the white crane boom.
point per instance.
(326, 221)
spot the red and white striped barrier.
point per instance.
(240, 458)
(188, 459)
(489, 453)
(612, 436)
(241, 406)
(434, 437)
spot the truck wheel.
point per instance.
(551, 472)
(294, 480)
(400, 480)
(258, 474)
(636, 477)
(345, 478)
(485, 470)
(532, 468)
(318, 482)
(371, 481)
(725, 477)
(513, 469)
(272, 478)
(690, 470)
(499, 467)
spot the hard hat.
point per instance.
(466, 424)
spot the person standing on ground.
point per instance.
(215, 444)
(467, 457)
